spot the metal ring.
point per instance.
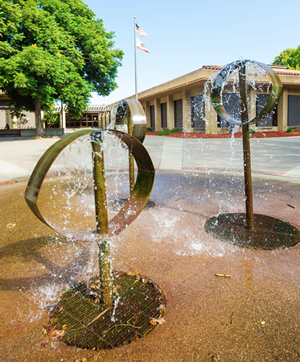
(133, 207)
(225, 73)
(129, 116)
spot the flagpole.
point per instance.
(135, 63)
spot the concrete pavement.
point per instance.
(271, 157)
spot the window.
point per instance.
(152, 118)
(198, 112)
(178, 113)
(163, 108)
(294, 111)
(271, 119)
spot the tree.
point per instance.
(289, 57)
(53, 49)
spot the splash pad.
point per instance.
(108, 310)
(251, 315)
(249, 229)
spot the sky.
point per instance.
(185, 35)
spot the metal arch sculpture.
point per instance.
(136, 202)
(129, 116)
(240, 65)
(130, 113)
(216, 100)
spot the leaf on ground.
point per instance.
(44, 342)
(159, 321)
(10, 225)
(116, 288)
(223, 275)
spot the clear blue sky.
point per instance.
(185, 35)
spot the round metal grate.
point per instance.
(139, 305)
(269, 233)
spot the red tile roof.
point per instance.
(281, 71)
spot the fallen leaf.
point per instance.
(44, 342)
(159, 321)
(153, 323)
(223, 275)
(10, 225)
(168, 300)
(116, 288)
(64, 326)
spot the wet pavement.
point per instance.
(253, 315)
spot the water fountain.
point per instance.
(249, 229)
(105, 311)
(251, 314)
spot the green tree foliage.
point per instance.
(53, 49)
(289, 57)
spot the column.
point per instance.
(282, 107)
(186, 112)
(157, 112)
(170, 112)
(8, 119)
(211, 117)
(147, 113)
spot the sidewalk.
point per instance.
(271, 157)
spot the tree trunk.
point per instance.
(38, 119)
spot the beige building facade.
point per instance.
(184, 102)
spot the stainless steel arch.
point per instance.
(129, 116)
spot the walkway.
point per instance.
(272, 157)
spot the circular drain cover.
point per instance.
(79, 318)
(269, 233)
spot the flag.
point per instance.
(141, 46)
(140, 31)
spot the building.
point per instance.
(184, 103)
(92, 117)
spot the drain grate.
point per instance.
(138, 302)
(269, 233)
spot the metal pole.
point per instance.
(246, 149)
(102, 221)
(131, 158)
(135, 62)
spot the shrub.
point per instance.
(290, 130)
(149, 129)
(165, 132)
(51, 119)
(176, 130)
(251, 131)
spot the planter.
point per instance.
(48, 131)
(10, 132)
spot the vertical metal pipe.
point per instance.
(102, 221)
(246, 149)
(135, 62)
(131, 158)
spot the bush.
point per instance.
(290, 130)
(51, 119)
(176, 130)
(149, 129)
(251, 131)
(165, 132)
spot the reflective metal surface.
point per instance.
(129, 116)
(226, 72)
(133, 207)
